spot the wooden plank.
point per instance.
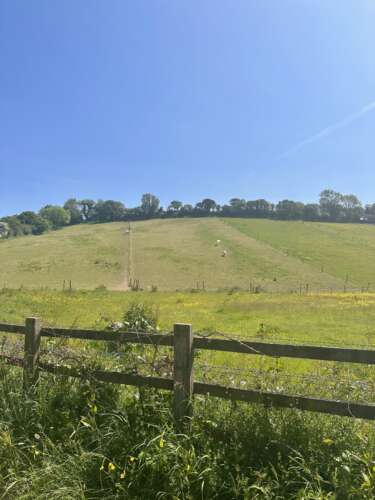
(110, 377)
(12, 328)
(32, 346)
(288, 350)
(122, 338)
(341, 408)
(183, 372)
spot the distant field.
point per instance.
(325, 319)
(272, 256)
(277, 256)
(345, 251)
(89, 256)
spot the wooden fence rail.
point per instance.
(183, 384)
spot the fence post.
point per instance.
(31, 359)
(183, 373)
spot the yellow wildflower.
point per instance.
(161, 443)
(111, 467)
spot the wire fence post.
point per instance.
(183, 373)
(31, 358)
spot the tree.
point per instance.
(149, 204)
(187, 209)
(37, 223)
(207, 205)
(311, 211)
(55, 215)
(237, 204)
(369, 213)
(109, 211)
(330, 204)
(15, 226)
(88, 207)
(74, 209)
(289, 210)
(175, 206)
(370, 209)
(353, 208)
(226, 210)
(4, 229)
(258, 208)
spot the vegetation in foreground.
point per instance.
(82, 440)
(85, 440)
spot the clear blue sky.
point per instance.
(185, 99)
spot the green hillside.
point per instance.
(88, 255)
(184, 253)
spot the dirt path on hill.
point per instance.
(124, 286)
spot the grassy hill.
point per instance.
(178, 254)
(88, 255)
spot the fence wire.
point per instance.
(268, 339)
(337, 381)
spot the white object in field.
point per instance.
(127, 231)
(217, 243)
(224, 254)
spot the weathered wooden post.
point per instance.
(31, 359)
(183, 373)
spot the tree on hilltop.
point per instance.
(88, 207)
(108, 211)
(4, 229)
(207, 205)
(150, 204)
(175, 206)
(75, 211)
(56, 216)
(37, 223)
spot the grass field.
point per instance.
(89, 255)
(179, 254)
(324, 318)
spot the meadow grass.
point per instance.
(344, 251)
(319, 318)
(273, 256)
(87, 255)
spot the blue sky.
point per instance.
(185, 99)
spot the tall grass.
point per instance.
(82, 439)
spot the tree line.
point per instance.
(332, 207)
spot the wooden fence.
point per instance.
(182, 384)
